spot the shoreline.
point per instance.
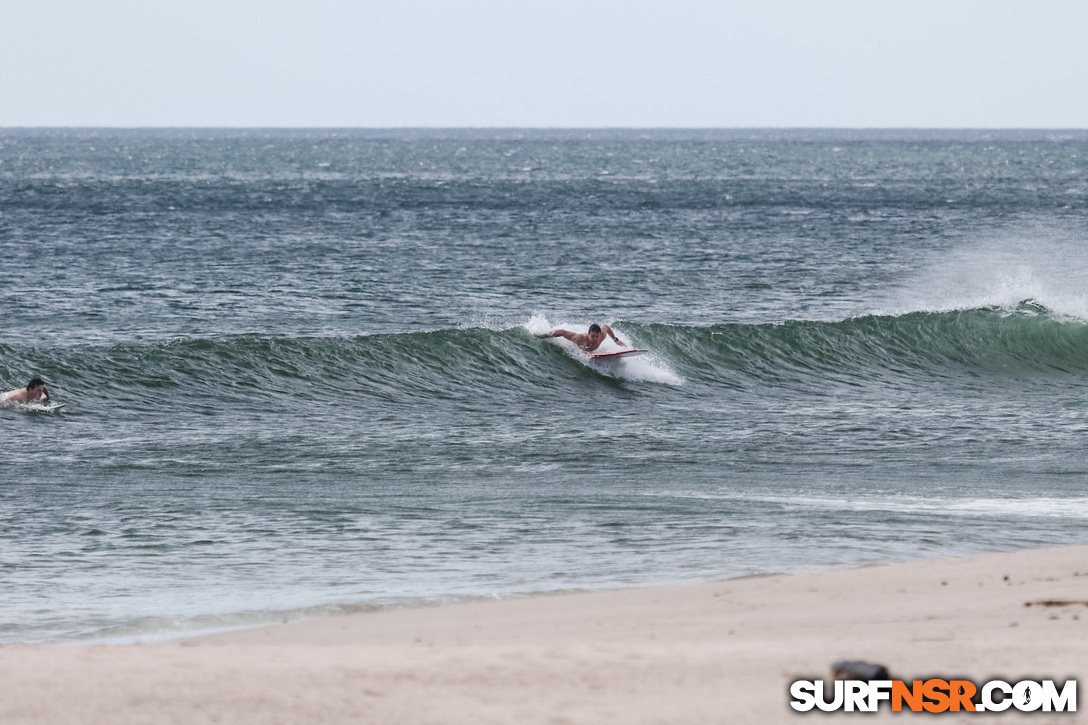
(260, 619)
(722, 651)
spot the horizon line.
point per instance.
(438, 127)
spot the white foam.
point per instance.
(1040, 506)
(648, 368)
(538, 324)
(31, 407)
(1064, 508)
(1048, 507)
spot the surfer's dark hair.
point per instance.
(35, 382)
(594, 327)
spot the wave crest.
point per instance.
(464, 364)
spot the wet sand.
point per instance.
(721, 652)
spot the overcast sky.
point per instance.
(536, 63)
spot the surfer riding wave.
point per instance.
(588, 341)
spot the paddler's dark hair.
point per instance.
(594, 327)
(34, 382)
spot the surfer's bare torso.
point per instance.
(35, 392)
(587, 341)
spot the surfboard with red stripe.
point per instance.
(617, 355)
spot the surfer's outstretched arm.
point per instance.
(559, 333)
(611, 334)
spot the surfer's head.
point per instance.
(596, 336)
(35, 390)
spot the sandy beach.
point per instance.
(720, 652)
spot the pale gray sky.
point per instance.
(682, 63)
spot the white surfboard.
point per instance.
(43, 408)
(617, 355)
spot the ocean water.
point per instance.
(301, 375)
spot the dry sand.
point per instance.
(710, 653)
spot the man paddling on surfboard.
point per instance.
(589, 341)
(34, 391)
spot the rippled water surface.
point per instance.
(301, 373)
